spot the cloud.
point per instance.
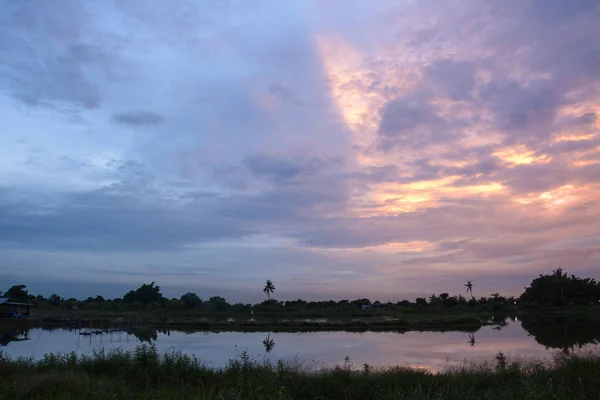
(414, 123)
(587, 118)
(454, 79)
(289, 95)
(400, 116)
(556, 11)
(522, 111)
(138, 118)
(284, 169)
(109, 219)
(45, 60)
(443, 138)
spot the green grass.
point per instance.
(145, 374)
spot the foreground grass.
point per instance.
(144, 374)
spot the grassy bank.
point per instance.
(455, 323)
(407, 313)
(458, 324)
(144, 374)
(591, 313)
(192, 321)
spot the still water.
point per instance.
(430, 350)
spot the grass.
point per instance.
(400, 322)
(279, 313)
(146, 374)
(591, 313)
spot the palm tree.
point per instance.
(469, 287)
(269, 288)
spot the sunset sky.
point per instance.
(342, 148)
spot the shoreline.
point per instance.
(398, 322)
(466, 324)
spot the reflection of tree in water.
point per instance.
(472, 340)
(562, 333)
(148, 335)
(269, 343)
(15, 335)
(499, 321)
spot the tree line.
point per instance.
(551, 290)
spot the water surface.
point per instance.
(430, 350)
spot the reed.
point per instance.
(147, 374)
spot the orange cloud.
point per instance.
(555, 198)
(520, 155)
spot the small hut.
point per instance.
(15, 309)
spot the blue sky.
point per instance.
(343, 149)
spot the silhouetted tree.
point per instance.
(450, 301)
(219, 303)
(269, 288)
(54, 299)
(191, 300)
(146, 294)
(559, 289)
(361, 302)
(435, 300)
(17, 293)
(421, 301)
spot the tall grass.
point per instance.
(147, 374)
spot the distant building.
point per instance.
(15, 309)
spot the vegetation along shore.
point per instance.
(556, 294)
(147, 374)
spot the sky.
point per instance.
(342, 148)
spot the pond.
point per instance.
(533, 338)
